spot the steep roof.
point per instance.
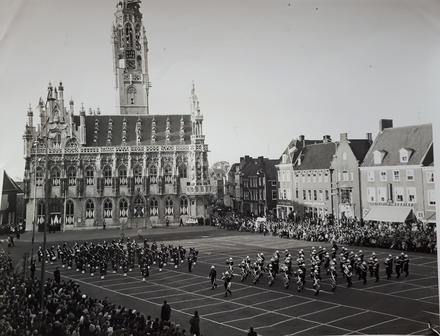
(316, 156)
(250, 167)
(146, 129)
(10, 185)
(417, 138)
(360, 148)
(299, 145)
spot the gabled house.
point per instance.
(397, 175)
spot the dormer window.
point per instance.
(378, 156)
(405, 153)
(284, 158)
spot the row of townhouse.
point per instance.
(390, 179)
(251, 186)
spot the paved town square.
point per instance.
(219, 168)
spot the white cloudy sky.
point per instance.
(266, 71)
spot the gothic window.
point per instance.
(154, 207)
(183, 171)
(90, 209)
(129, 36)
(139, 207)
(70, 215)
(168, 175)
(137, 175)
(39, 177)
(169, 209)
(90, 176)
(131, 95)
(107, 176)
(184, 206)
(56, 141)
(153, 174)
(41, 212)
(56, 175)
(72, 143)
(123, 208)
(71, 175)
(108, 208)
(122, 175)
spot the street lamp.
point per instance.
(35, 201)
(46, 218)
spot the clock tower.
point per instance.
(130, 53)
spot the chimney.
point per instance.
(370, 137)
(326, 138)
(343, 137)
(385, 123)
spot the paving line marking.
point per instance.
(352, 315)
(377, 324)
(182, 301)
(156, 304)
(425, 311)
(319, 311)
(319, 300)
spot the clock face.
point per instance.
(138, 46)
(130, 65)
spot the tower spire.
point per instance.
(130, 53)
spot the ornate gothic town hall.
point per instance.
(133, 169)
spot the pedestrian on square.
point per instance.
(165, 312)
(57, 275)
(213, 277)
(195, 324)
(252, 332)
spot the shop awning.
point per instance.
(394, 214)
(430, 218)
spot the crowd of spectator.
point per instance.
(67, 311)
(402, 236)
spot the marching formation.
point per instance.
(120, 256)
(282, 265)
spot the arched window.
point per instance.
(39, 177)
(56, 175)
(71, 176)
(183, 171)
(107, 176)
(71, 143)
(153, 174)
(169, 209)
(70, 215)
(139, 207)
(131, 95)
(90, 176)
(90, 209)
(168, 174)
(184, 206)
(129, 35)
(123, 208)
(137, 175)
(139, 62)
(108, 208)
(122, 175)
(56, 141)
(154, 207)
(41, 212)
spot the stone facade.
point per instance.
(127, 170)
